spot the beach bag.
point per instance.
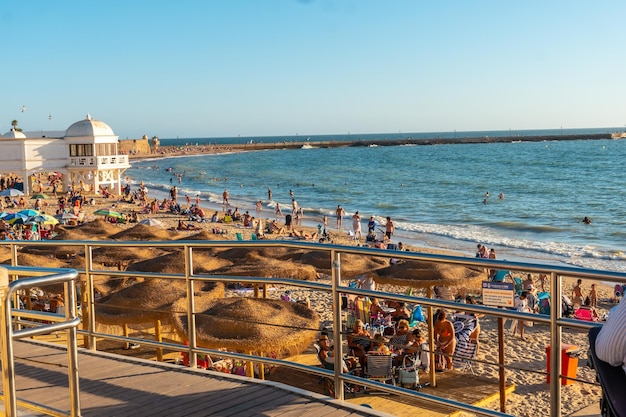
(407, 375)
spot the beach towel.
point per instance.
(463, 324)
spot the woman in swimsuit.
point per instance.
(445, 341)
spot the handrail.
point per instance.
(8, 335)
(555, 321)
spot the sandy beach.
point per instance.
(528, 357)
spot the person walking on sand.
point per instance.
(294, 207)
(225, 196)
(269, 194)
(278, 211)
(389, 228)
(340, 213)
(356, 226)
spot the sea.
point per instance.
(526, 200)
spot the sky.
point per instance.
(256, 68)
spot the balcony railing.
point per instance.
(98, 161)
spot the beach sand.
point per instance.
(531, 396)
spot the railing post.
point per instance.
(191, 308)
(6, 334)
(89, 313)
(72, 350)
(337, 336)
(555, 346)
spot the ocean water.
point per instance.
(434, 194)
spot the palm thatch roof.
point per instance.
(147, 301)
(97, 227)
(255, 265)
(425, 274)
(351, 264)
(113, 255)
(174, 263)
(251, 324)
(241, 253)
(145, 232)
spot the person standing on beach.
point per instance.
(197, 200)
(371, 225)
(294, 207)
(577, 293)
(269, 194)
(278, 211)
(325, 221)
(225, 196)
(593, 296)
(356, 226)
(188, 199)
(340, 213)
(389, 228)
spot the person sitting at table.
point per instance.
(402, 341)
(422, 350)
(359, 341)
(401, 312)
(327, 354)
(378, 346)
(376, 309)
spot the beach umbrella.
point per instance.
(424, 274)
(66, 216)
(29, 212)
(4, 214)
(43, 219)
(247, 324)
(11, 192)
(108, 213)
(152, 222)
(255, 265)
(38, 196)
(145, 232)
(351, 264)
(13, 217)
(145, 302)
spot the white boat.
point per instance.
(307, 146)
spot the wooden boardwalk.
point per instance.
(113, 385)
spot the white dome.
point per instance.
(14, 134)
(89, 127)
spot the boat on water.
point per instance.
(373, 145)
(307, 146)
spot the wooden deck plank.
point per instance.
(114, 385)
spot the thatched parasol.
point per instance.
(147, 301)
(241, 253)
(116, 255)
(425, 274)
(259, 266)
(351, 264)
(250, 324)
(174, 263)
(145, 232)
(97, 227)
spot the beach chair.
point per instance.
(239, 236)
(380, 368)
(519, 286)
(329, 383)
(501, 275)
(585, 314)
(543, 300)
(464, 353)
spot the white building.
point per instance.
(86, 153)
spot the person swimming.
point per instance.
(586, 220)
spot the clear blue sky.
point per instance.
(280, 67)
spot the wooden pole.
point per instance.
(250, 367)
(159, 337)
(431, 340)
(126, 335)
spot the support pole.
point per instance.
(501, 371)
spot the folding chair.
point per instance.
(380, 368)
(464, 354)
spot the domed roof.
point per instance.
(14, 134)
(89, 127)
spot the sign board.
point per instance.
(498, 294)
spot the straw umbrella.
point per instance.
(145, 232)
(351, 264)
(254, 264)
(250, 324)
(425, 274)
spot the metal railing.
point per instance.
(555, 321)
(9, 316)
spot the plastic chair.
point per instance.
(519, 286)
(501, 275)
(464, 354)
(380, 368)
(239, 236)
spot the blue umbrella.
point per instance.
(11, 192)
(29, 212)
(16, 218)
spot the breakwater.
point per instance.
(421, 141)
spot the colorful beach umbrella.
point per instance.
(38, 196)
(66, 216)
(43, 219)
(11, 192)
(108, 213)
(29, 212)
(16, 218)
